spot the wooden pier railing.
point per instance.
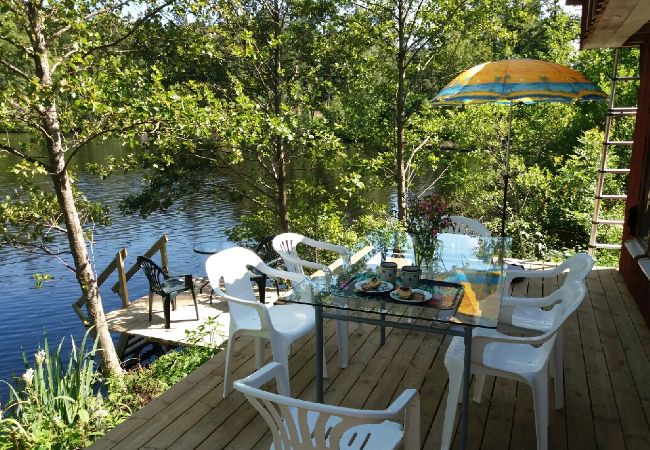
(124, 276)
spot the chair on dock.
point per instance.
(167, 286)
(303, 424)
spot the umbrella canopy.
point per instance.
(513, 81)
(518, 81)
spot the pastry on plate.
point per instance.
(404, 292)
(373, 283)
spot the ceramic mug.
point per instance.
(388, 271)
(411, 276)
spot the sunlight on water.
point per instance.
(28, 313)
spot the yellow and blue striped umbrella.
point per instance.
(511, 81)
(518, 81)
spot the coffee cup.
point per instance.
(388, 271)
(411, 276)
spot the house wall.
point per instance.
(635, 278)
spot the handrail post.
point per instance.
(124, 291)
(163, 253)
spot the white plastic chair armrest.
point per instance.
(305, 263)
(538, 302)
(268, 372)
(409, 402)
(326, 246)
(542, 273)
(483, 338)
(260, 309)
(277, 273)
(402, 402)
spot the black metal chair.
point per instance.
(167, 286)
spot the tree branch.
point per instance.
(12, 42)
(417, 149)
(136, 25)
(14, 69)
(8, 149)
(433, 183)
(80, 144)
(90, 15)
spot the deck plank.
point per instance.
(607, 386)
(606, 420)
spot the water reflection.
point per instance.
(27, 312)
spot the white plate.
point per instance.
(427, 296)
(385, 286)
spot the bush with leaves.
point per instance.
(142, 384)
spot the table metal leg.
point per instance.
(262, 290)
(467, 376)
(382, 329)
(319, 353)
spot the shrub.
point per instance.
(54, 405)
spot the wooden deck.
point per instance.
(607, 386)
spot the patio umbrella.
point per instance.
(513, 81)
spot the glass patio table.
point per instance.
(459, 290)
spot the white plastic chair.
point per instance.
(281, 324)
(299, 424)
(525, 312)
(286, 245)
(465, 225)
(536, 314)
(523, 359)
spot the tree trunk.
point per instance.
(400, 115)
(278, 142)
(63, 188)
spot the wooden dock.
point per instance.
(607, 386)
(134, 320)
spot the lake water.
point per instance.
(28, 313)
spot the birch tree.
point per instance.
(61, 81)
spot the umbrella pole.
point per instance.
(506, 175)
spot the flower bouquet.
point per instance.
(427, 216)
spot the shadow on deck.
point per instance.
(607, 386)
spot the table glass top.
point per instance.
(463, 284)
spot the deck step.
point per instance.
(609, 222)
(612, 197)
(610, 246)
(621, 171)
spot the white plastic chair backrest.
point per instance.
(465, 225)
(286, 245)
(579, 266)
(290, 419)
(232, 265)
(569, 297)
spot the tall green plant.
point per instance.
(54, 404)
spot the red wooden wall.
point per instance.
(639, 169)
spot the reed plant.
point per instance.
(55, 404)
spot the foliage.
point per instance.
(427, 216)
(140, 385)
(54, 405)
(386, 234)
(62, 406)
